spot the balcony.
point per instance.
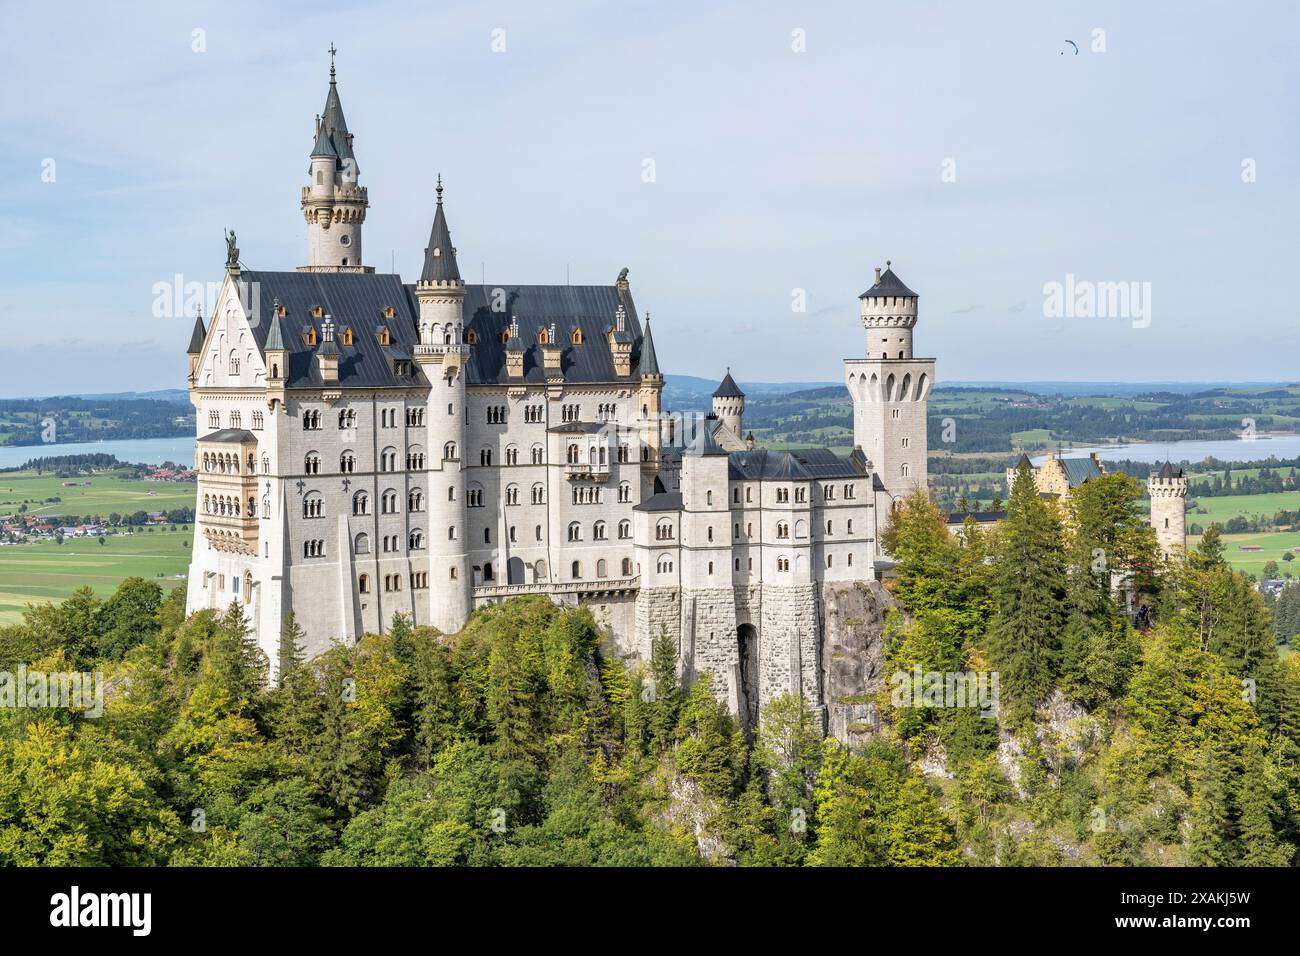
(586, 472)
(594, 586)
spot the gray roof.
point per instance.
(197, 336)
(275, 337)
(663, 501)
(587, 308)
(649, 362)
(1079, 470)
(439, 254)
(323, 146)
(797, 464)
(728, 388)
(889, 285)
(358, 300)
(982, 517)
(1169, 471)
(234, 435)
(334, 125)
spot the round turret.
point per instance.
(888, 311)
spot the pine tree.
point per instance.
(1028, 589)
(1258, 814)
(664, 692)
(290, 654)
(1211, 832)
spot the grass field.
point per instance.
(46, 571)
(107, 493)
(1220, 509)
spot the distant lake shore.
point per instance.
(155, 451)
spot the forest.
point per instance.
(524, 741)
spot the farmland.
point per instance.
(106, 493)
(47, 571)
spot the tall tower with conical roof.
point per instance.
(333, 202)
(890, 389)
(442, 355)
(729, 405)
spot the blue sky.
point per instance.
(775, 171)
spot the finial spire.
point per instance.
(332, 52)
(439, 189)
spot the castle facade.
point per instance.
(368, 447)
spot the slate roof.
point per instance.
(1079, 470)
(1169, 471)
(335, 126)
(663, 501)
(234, 435)
(197, 336)
(797, 464)
(275, 337)
(589, 308)
(440, 254)
(648, 361)
(728, 388)
(889, 285)
(358, 300)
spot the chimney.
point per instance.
(877, 273)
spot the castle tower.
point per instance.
(1168, 491)
(729, 405)
(333, 203)
(890, 389)
(649, 397)
(442, 355)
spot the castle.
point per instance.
(367, 447)
(1056, 477)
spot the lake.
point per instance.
(1235, 449)
(155, 451)
(145, 451)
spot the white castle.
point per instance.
(368, 447)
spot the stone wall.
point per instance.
(853, 655)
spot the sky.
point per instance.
(750, 163)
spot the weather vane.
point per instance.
(332, 52)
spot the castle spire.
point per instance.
(333, 203)
(440, 254)
(649, 361)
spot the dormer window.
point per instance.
(471, 337)
(317, 311)
(505, 335)
(437, 252)
(385, 337)
(346, 336)
(544, 337)
(576, 337)
(281, 310)
(310, 336)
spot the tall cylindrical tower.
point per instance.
(442, 354)
(1168, 491)
(729, 405)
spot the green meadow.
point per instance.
(105, 494)
(46, 571)
(1220, 509)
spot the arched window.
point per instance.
(347, 462)
(575, 531)
(539, 494)
(512, 455)
(627, 567)
(576, 570)
(388, 502)
(311, 463)
(485, 457)
(415, 541)
(598, 531)
(363, 584)
(782, 529)
(512, 494)
(664, 530)
(449, 451)
(624, 492)
(415, 500)
(539, 455)
(625, 529)
(361, 544)
(313, 506)
(664, 565)
(600, 568)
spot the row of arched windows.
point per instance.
(598, 530)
